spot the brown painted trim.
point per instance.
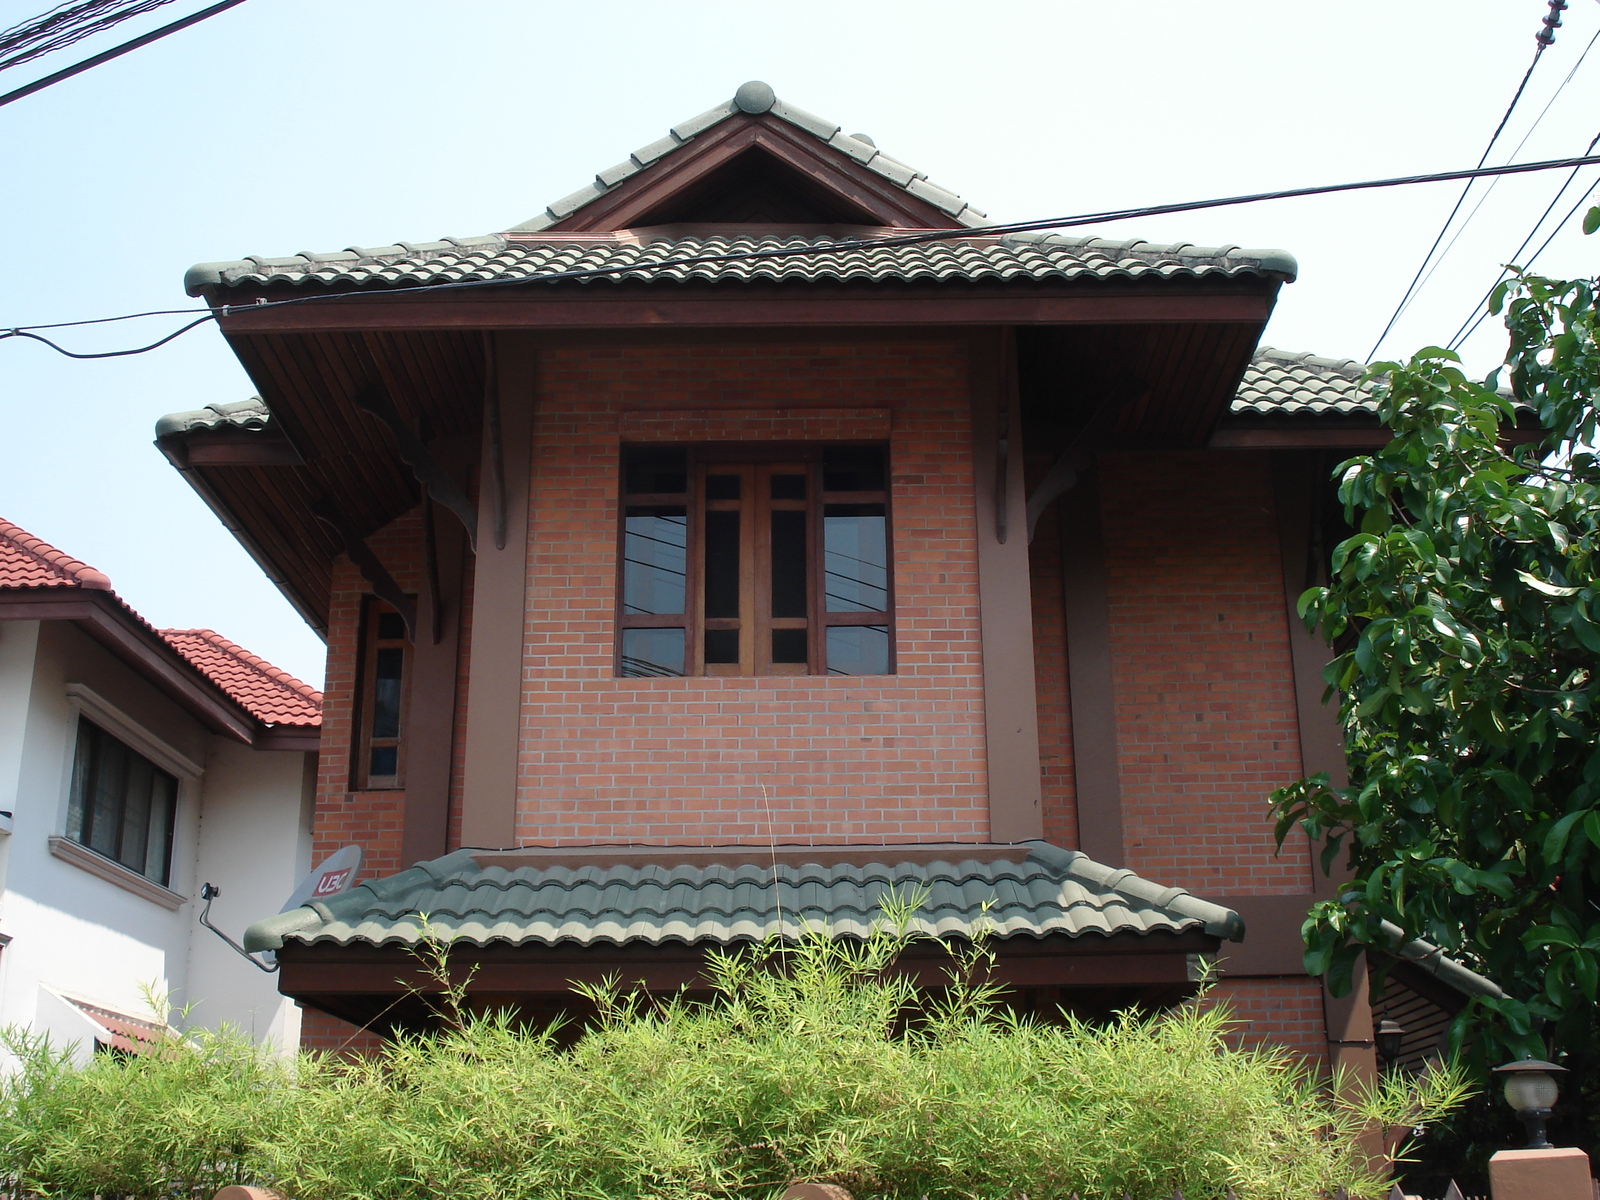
(1301, 438)
(1272, 944)
(1089, 677)
(431, 713)
(533, 970)
(1005, 603)
(111, 623)
(494, 688)
(290, 737)
(1295, 479)
(802, 304)
(879, 200)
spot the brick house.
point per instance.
(752, 532)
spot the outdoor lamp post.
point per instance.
(1387, 1040)
(1531, 1089)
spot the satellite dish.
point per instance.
(336, 875)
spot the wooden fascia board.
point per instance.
(109, 622)
(1120, 960)
(632, 200)
(740, 306)
(1305, 433)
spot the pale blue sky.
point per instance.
(288, 125)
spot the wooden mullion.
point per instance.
(856, 618)
(694, 574)
(816, 648)
(650, 620)
(755, 587)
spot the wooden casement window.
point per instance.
(385, 674)
(741, 559)
(121, 805)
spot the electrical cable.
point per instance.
(982, 232)
(65, 25)
(1545, 37)
(1489, 191)
(155, 35)
(1465, 332)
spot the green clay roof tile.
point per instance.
(721, 895)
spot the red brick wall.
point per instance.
(369, 819)
(1283, 1012)
(1206, 720)
(330, 1035)
(1059, 801)
(798, 759)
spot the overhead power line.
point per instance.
(781, 252)
(1545, 38)
(155, 35)
(64, 25)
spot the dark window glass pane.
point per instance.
(105, 805)
(853, 469)
(391, 628)
(788, 645)
(384, 762)
(855, 551)
(858, 650)
(82, 781)
(122, 804)
(788, 564)
(654, 560)
(722, 487)
(722, 645)
(648, 652)
(788, 487)
(136, 814)
(722, 563)
(163, 807)
(656, 469)
(386, 693)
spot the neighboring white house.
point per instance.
(137, 764)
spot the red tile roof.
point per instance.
(27, 561)
(266, 692)
(271, 695)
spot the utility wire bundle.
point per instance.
(64, 25)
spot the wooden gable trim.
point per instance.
(105, 619)
(880, 200)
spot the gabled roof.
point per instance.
(755, 98)
(183, 660)
(652, 895)
(268, 693)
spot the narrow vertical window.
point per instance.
(754, 559)
(122, 805)
(381, 704)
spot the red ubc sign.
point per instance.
(331, 883)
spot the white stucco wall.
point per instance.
(241, 821)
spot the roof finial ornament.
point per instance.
(754, 97)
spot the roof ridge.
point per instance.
(67, 571)
(755, 98)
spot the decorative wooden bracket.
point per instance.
(373, 571)
(416, 455)
(1058, 480)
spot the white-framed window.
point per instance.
(125, 792)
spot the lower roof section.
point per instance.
(722, 895)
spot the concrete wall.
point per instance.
(77, 934)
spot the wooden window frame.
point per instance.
(755, 463)
(363, 742)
